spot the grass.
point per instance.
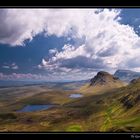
(74, 128)
(93, 112)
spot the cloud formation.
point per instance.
(18, 25)
(12, 66)
(22, 76)
(106, 44)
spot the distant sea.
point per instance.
(11, 83)
(14, 83)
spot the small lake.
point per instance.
(32, 108)
(76, 95)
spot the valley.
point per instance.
(102, 104)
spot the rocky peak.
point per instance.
(102, 78)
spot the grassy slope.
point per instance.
(99, 89)
(102, 112)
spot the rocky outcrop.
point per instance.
(103, 78)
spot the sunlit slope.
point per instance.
(115, 110)
(118, 110)
(102, 82)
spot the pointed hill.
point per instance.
(102, 82)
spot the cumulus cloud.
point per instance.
(53, 51)
(18, 25)
(12, 66)
(105, 43)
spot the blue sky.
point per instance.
(67, 44)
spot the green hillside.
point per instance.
(116, 109)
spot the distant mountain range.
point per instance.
(126, 75)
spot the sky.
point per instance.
(67, 44)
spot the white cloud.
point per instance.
(53, 51)
(5, 67)
(17, 25)
(22, 76)
(106, 43)
(13, 66)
